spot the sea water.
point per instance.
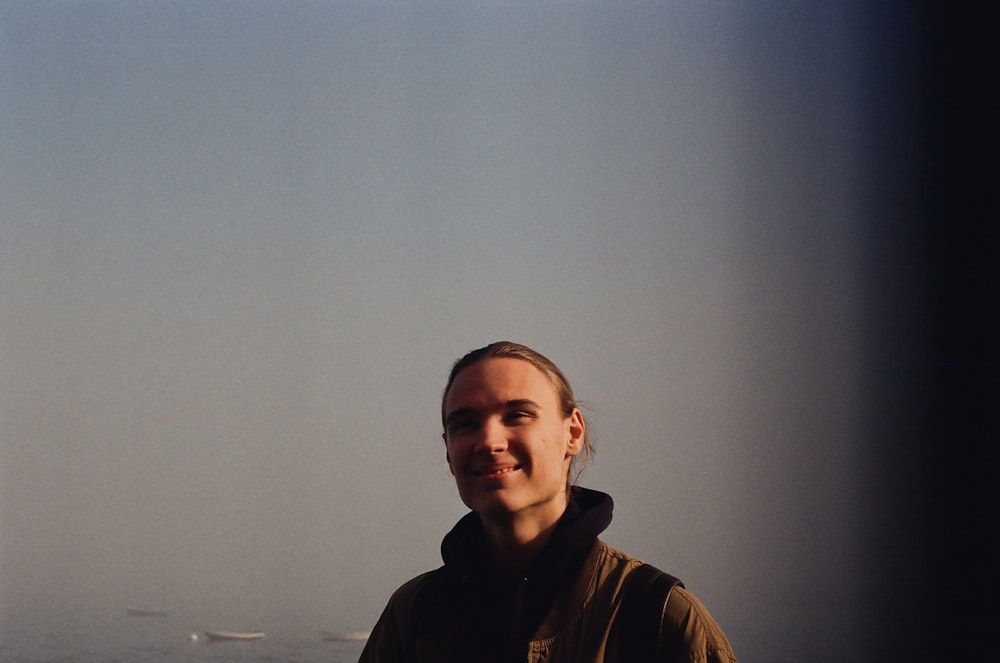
(154, 639)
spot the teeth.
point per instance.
(502, 470)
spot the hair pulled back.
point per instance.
(564, 393)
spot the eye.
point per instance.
(519, 416)
(462, 426)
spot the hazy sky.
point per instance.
(242, 242)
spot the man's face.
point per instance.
(508, 443)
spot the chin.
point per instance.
(491, 506)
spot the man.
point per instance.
(525, 577)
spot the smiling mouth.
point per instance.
(496, 472)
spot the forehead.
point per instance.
(500, 379)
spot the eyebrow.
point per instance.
(507, 405)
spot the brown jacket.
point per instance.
(439, 617)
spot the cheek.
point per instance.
(453, 455)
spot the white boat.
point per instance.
(337, 636)
(233, 635)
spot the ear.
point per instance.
(577, 429)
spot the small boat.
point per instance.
(340, 636)
(233, 635)
(147, 612)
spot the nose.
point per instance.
(492, 437)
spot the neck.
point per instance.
(517, 539)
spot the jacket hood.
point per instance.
(525, 600)
(587, 515)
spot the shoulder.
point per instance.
(613, 561)
(688, 624)
(392, 638)
(626, 574)
(412, 587)
(407, 598)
